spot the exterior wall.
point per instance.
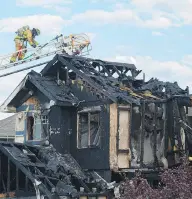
(59, 128)
(147, 134)
(138, 135)
(27, 109)
(92, 157)
(120, 130)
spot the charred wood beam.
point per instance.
(49, 182)
(41, 187)
(81, 184)
(88, 80)
(49, 64)
(94, 103)
(8, 176)
(26, 183)
(105, 70)
(186, 126)
(3, 183)
(142, 131)
(131, 127)
(17, 178)
(42, 177)
(177, 118)
(155, 136)
(0, 171)
(165, 129)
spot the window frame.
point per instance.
(89, 111)
(39, 120)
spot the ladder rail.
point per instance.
(55, 46)
(51, 48)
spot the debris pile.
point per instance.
(42, 170)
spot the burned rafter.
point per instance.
(6, 149)
(101, 84)
(88, 80)
(58, 175)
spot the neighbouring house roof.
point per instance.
(107, 80)
(7, 126)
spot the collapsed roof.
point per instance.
(105, 80)
(30, 171)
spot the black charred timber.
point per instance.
(142, 130)
(155, 136)
(177, 118)
(8, 176)
(27, 169)
(17, 179)
(0, 171)
(165, 129)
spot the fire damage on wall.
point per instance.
(101, 122)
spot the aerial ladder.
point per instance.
(74, 44)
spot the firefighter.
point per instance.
(23, 36)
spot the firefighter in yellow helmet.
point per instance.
(23, 36)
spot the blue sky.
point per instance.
(156, 35)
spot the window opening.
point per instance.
(44, 125)
(89, 129)
(30, 126)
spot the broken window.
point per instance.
(45, 125)
(83, 130)
(88, 128)
(30, 126)
(94, 129)
(37, 127)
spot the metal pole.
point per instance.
(27, 68)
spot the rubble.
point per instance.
(52, 174)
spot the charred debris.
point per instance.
(82, 124)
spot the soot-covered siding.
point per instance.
(56, 136)
(147, 135)
(63, 136)
(60, 130)
(96, 158)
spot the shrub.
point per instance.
(174, 184)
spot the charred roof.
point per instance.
(106, 80)
(117, 80)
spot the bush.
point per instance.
(175, 184)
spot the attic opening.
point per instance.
(89, 130)
(30, 127)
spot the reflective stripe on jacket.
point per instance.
(27, 36)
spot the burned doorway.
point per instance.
(30, 127)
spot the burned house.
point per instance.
(101, 114)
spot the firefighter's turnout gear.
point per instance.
(23, 36)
